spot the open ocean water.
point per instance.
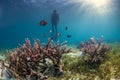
(20, 19)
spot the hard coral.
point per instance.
(29, 61)
(93, 51)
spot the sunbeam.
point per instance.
(95, 6)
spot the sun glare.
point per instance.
(98, 3)
(96, 6)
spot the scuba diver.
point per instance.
(54, 22)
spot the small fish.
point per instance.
(66, 28)
(68, 36)
(43, 23)
(58, 34)
(51, 37)
(50, 31)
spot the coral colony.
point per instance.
(93, 51)
(38, 62)
(35, 62)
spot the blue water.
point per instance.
(19, 19)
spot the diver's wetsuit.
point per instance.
(54, 21)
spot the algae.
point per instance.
(76, 69)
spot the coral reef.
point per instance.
(93, 52)
(33, 62)
(75, 67)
